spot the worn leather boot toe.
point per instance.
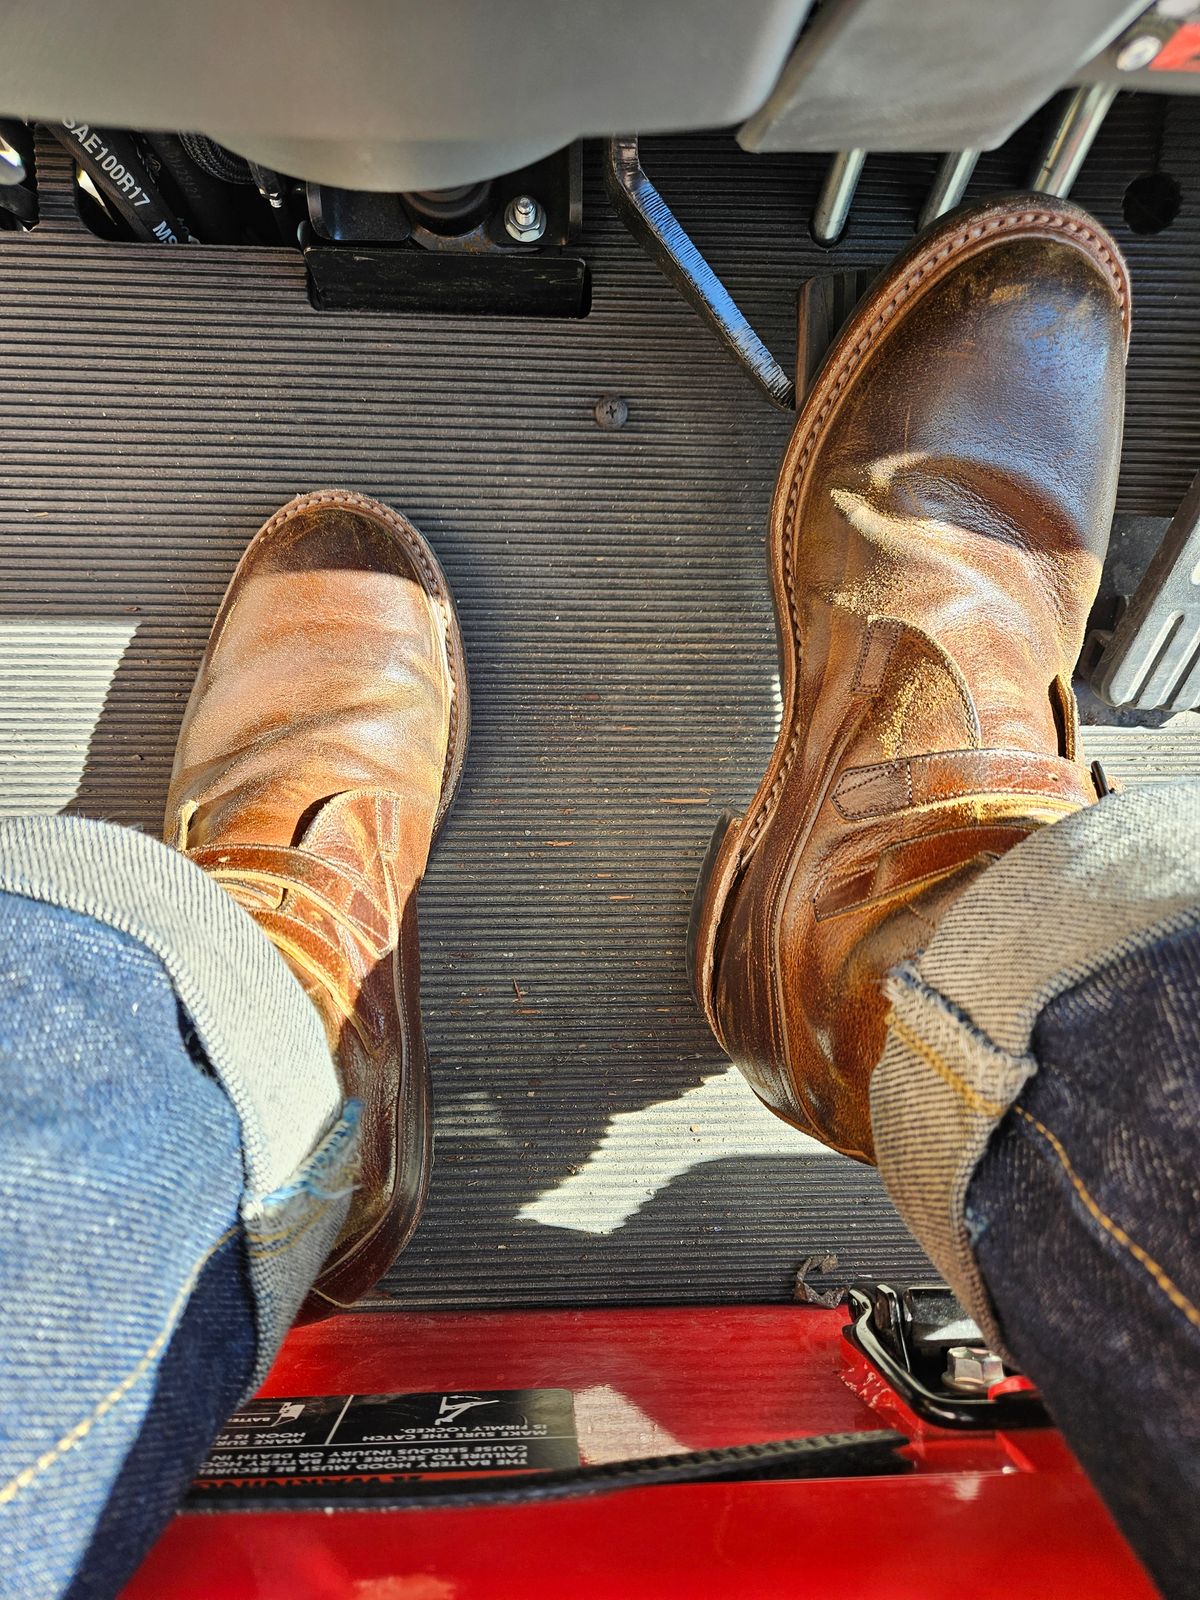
(936, 543)
(319, 753)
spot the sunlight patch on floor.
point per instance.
(55, 673)
(642, 1151)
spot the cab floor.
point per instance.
(157, 404)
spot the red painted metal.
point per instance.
(1181, 53)
(707, 1376)
(982, 1516)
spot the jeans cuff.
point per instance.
(291, 1231)
(259, 1032)
(1104, 882)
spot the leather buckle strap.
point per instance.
(904, 866)
(890, 786)
(342, 892)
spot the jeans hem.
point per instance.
(1105, 882)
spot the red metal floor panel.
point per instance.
(980, 1516)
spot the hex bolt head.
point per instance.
(1138, 52)
(971, 1369)
(524, 219)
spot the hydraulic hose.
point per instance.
(115, 165)
(208, 201)
(214, 159)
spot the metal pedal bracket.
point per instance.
(1152, 660)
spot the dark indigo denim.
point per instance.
(126, 1323)
(203, 1374)
(1085, 1212)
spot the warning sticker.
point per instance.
(272, 1446)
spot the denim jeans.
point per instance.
(120, 1182)
(1104, 1311)
(174, 1161)
(1037, 1116)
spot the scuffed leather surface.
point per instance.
(311, 771)
(937, 540)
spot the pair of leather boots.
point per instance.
(935, 546)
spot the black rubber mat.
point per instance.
(158, 404)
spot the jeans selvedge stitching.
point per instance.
(276, 1243)
(80, 1431)
(994, 1108)
(977, 1102)
(1164, 1281)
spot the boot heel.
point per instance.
(706, 916)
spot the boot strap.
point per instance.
(888, 787)
(342, 893)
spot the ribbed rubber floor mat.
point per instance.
(158, 404)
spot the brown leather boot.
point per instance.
(319, 754)
(936, 542)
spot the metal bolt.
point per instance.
(971, 1369)
(1138, 52)
(524, 219)
(611, 411)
